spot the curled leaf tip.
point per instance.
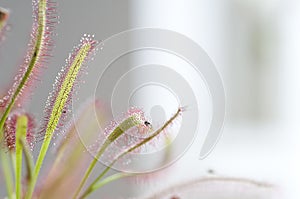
(134, 117)
(10, 128)
(136, 114)
(159, 131)
(114, 136)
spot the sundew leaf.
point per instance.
(218, 188)
(61, 179)
(60, 98)
(10, 130)
(135, 118)
(97, 182)
(66, 81)
(40, 45)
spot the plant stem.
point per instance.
(91, 188)
(13, 161)
(105, 181)
(21, 130)
(6, 167)
(38, 166)
(28, 159)
(117, 132)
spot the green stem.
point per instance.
(38, 166)
(7, 172)
(33, 61)
(90, 189)
(105, 181)
(28, 159)
(117, 132)
(57, 109)
(20, 133)
(13, 161)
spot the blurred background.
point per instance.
(254, 44)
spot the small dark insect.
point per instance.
(64, 111)
(147, 123)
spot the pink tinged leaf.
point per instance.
(141, 140)
(10, 129)
(134, 141)
(38, 53)
(59, 83)
(112, 125)
(221, 188)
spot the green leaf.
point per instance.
(130, 122)
(92, 188)
(58, 107)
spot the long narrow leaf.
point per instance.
(94, 185)
(59, 99)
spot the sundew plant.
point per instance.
(20, 129)
(76, 140)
